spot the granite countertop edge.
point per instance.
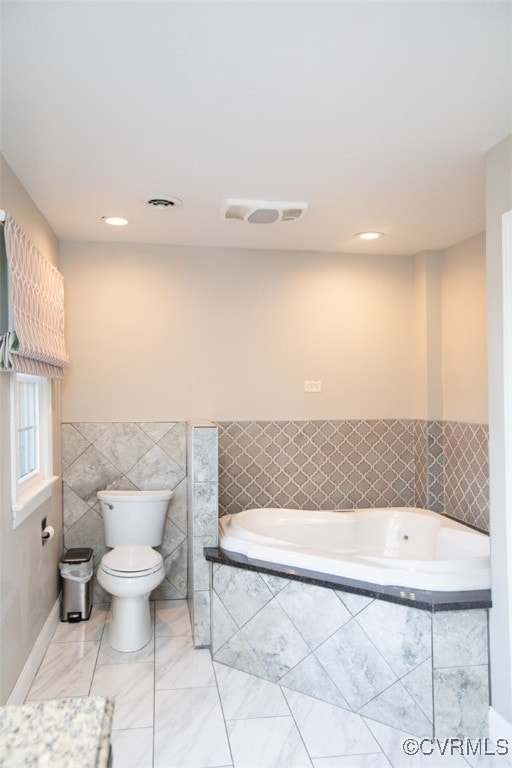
(57, 732)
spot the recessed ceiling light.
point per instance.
(369, 235)
(115, 221)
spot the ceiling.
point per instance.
(376, 113)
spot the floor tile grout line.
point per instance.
(301, 736)
(222, 711)
(251, 717)
(99, 647)
(188, 688)
(154, 688)
(383, 750)
(258, 717)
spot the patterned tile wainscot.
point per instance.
(125, 456)
(316, 464)
(366, 463)
(466, 473)
(408, 668)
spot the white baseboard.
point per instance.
(499, 728)
(29, 671)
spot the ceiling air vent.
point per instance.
(263, 211)
(164, 202)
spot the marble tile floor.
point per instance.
(174, 708)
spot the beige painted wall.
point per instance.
(234, 334)
(28, 572)
(160, 333)
(427, 347)
(464, 332)
(450, 333)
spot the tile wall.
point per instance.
(429, 465)
(203, 506)
(302, 464)
(145, 456)
(422, 672)
(466, 473)
(366, 463)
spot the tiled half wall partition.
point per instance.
(144, 456)
(439, 465)
(203, 511)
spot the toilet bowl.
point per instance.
(129, 626)
(134, 523)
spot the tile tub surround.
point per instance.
(439, 465)
(419, 671)
(327, 464)
(466, 473)
(128, 455)
(417, 598)
(429, 464)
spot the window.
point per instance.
(32, 444)
(29, 434)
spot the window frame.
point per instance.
(32, 489)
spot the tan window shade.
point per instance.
(33, 342)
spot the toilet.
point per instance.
(134, 524)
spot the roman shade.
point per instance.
(32, 330)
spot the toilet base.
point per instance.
(129, 627)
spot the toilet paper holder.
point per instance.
(47, 531)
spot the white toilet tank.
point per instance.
(134, 518)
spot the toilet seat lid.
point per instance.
(132, 560)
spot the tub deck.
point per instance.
(415, 598)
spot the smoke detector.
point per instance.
(263, 211)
